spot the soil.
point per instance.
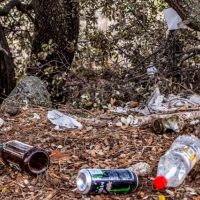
(99, 144)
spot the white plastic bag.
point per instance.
(173, 19)
(59, 119)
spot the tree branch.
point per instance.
(2, 49)
(20, 6)
(24, 8)
(6, 9)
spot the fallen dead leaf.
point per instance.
(106, 141)
(133, 104)
(58, 155)
(112, 101)
(50, 195)
(93, 153)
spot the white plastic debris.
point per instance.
(173, 19)
(194, 122)
(36, 116)
(159, 103)
(1, 122)
(119, 109)
(127, 121)
(26, 105)
(61, 120)
(151, 70)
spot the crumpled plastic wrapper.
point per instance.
(61, 120)
(173, 19)
(158, 103)
(151, 71)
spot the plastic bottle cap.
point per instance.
(160, 182)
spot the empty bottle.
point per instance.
(24, 157)
(177, 162)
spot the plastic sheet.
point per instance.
(61, 120)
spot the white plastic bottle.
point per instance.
(177, 162)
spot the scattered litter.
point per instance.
(174, 123)
(194, 122)
(98, 181)
(4, 189)
(173, 19)
(161, 197)
(177, 162)
(149, 119)
(60, 146)
(59, 119)
(1, 122)
(25, 158)
(151, 70)
(119, 109)
(191, 190)
(26, 182)
(26, 104)
(127, 121)
(158, 103)
(36, 116)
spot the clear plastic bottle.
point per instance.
(177, 162)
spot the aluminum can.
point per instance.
(174, 123)
(98, 181)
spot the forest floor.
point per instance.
(99, 144)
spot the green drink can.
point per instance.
(98, 181)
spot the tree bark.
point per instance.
(58, 21)
(189, 10)
(7, 73)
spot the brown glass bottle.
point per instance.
(25, 158)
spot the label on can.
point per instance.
(112, 181)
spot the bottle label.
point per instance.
(191, 154)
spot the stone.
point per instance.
(141, 169)
(29, 92)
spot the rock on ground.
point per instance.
(29, 91)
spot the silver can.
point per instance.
(174, 123)
(98, 181)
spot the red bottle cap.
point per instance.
(160, 182)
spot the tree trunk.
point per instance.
(188, 10)
(58, 21)
(7, 73)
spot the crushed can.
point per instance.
(96, 181)
(24, 157)
(174, 123)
